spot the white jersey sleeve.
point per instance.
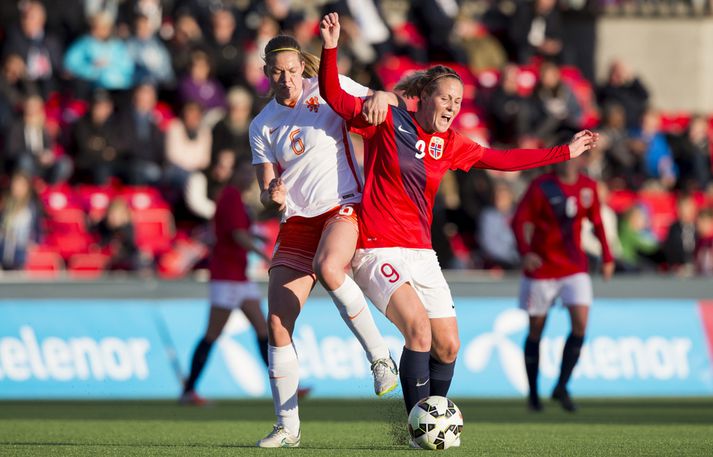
(352, 87)
(262, 153)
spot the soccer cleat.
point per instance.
(386, 376)
(561, 395)
(191, 398)
(534, 404)
(279, 437)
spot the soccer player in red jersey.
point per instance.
(229, 286)
(405, 158)
(547, 226)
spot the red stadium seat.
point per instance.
(43, 262)
(95, 200)
(87, 266)
(143, 197)
(154, 230)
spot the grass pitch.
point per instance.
(672, 427)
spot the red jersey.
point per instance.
(229, 260)
(556, 210)
(403, 166)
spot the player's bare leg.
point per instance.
(253, 313)
(579, 315)
(445, 344)
(407, 312)
(288, 290)
(532, 359)
(216, 321)
(333, 257)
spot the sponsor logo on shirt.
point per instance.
(435, 147)
(312, 104)
(586, 196)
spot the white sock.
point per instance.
(354, 310)
(284, 371)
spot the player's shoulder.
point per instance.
(263, 118)
(544, 177)
(586, 181)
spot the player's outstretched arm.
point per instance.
(581, 142)
(346, 105)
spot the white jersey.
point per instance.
(310, 144)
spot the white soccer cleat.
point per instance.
(279, 437)
(386, 375)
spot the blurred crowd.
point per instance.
(110, 97)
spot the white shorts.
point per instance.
(538, 295)
(380, 271)
(232, 294)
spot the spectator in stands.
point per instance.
(679, 248)
(142, 141)
(117, 237)
(554, 110)
(624, 89)
(508, 109)
(31, 149)
(231, 132)
(151, 59)
(95, 142)
(203, 187)
(187, 37)
(108, 8)
(591, 245)
(188, 146)
(225, 49)
(152, 10)
(99, 60)
(536, 31)
(639, 246)
(496, 239)
(40, 50)
(704, 242)
(14, 88)
(199, 87)
(692, 155)
(435, 19)
(621, 163)
(650, 143)
(483, 51)
(20, 222)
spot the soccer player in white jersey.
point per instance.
(306, 167)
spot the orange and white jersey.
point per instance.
(310, 144)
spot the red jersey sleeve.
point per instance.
(466, 152)
(343, 103)
(595, 216)
(525, 213)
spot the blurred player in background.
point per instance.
(547, 226)
(405, 158)
(229, 286)
(306, 168)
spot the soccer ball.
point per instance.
(435, 423)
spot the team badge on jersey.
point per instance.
(586, 196)
(435, 147)
(312, 104)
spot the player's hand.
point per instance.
(531, 262)
(376, 107)
(608, 270)
(277, 192)
(329, 29)
(581, 142)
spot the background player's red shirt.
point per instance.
(555, 211)
(229, 260)
(403, 166)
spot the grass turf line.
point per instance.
(354, 428)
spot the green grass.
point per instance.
(671, 427)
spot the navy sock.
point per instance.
(441, 376)
(200, 356)
(570, 356)
(262, 346)
(414, 375)
(532, 363)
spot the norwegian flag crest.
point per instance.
(435, 147)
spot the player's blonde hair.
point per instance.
(286, 43)
(423, 83)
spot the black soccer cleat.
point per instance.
(534, 404)
(561, 395)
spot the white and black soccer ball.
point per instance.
(435, 423)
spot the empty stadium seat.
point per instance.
(87, 265)
(43, 262)
(155, 229)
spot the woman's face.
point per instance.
(438, 109)
(19, 187)
(284, 69)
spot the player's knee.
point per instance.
(447, 351)
(418, 336)
(329, 272)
